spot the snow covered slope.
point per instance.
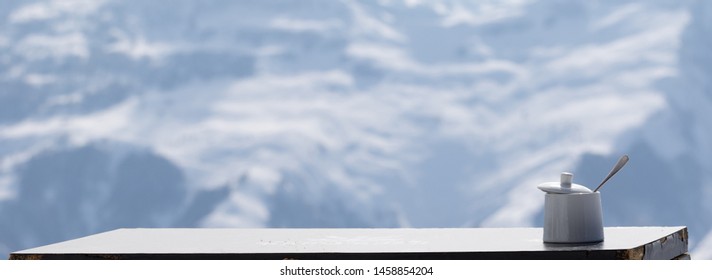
(346, 113)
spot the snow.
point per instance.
(48, 10)
(139, 48)
(37, 47)
(305, 25)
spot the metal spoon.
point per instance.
(621, 162)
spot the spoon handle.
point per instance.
(621, 162)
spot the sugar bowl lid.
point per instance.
(565, 186)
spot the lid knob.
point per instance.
(564, 186)
(566, 179)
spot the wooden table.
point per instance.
(398, 243)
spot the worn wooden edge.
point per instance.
(665, 248)
(636, 253)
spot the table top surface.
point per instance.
(277, 242)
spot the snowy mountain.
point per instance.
(348, 113)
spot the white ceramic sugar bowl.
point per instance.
(572, 213)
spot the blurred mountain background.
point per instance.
(322, 113)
